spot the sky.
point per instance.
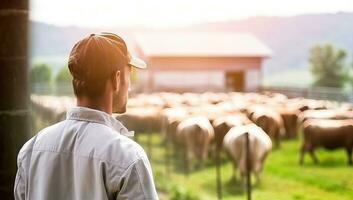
(167, 13)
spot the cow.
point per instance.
(170, 119)
(325, 114)
(290, 120)
(260, 145)
(329, 134)
(195, 133)
(51, 109)
(224, 123)
(142, 119)
(269, 120)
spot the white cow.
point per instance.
(259, 143)
(195, 134)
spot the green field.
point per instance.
(283, 178)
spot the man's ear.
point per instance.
(116, 80)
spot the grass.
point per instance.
(283, 178)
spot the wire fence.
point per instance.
(61, 89)
(320, 93)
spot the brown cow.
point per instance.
(224, 123)
(269, 120)
(290, 120)
(329, 134)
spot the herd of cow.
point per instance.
(194, 125)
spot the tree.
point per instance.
(327, 64)
(40, 73)
(350, 76)
(63, 75)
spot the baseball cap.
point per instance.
(132, 60)
(97, 56)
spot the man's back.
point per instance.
(84, 157)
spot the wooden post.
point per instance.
(167, 155)
(186, 161)
(13, 97)
(218, 172)
(248, 167)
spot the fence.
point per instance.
(62, 89)
(322, 93)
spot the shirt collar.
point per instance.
(92, 115)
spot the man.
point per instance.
(87, 155)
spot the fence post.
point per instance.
(248, 173)
(218, 172)
(167, 156)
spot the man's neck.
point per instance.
(99, 103)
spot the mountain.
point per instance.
(290, 38)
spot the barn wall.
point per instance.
(196, 73)
(189, 79)
(204, 63)
(252, 79)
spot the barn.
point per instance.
(200, 61)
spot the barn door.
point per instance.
(235, 81)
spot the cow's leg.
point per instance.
(235, 171)
(243, 178)
(313, 156)
(199, 158)
(258, 169)
(203, 152)
(302, 153)
(349, 154)
(273, 131)
(203, 158)
(190, 158)
(278, 137)
(173, 147)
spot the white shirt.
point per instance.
(85, 156)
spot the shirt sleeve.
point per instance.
(20, 188)
(138, 182)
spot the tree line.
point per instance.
(329, 66)
(42, 73)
